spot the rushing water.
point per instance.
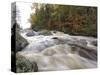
(58, 52)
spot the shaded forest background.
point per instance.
(76, 20)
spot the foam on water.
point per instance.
(51, 54)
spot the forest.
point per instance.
(76, 20)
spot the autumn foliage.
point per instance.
(66, 18)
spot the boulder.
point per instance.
(20, 42)
(31, 33)
(24, 65)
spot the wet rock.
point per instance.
(20, 42)
(31, 33)
(24, 65)
(89, 54)
(83, 42)
(54, 31)
(94, 42)
(45, 32)
(55, 38)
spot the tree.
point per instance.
(69, 19)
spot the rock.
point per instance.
(31, 33)
(20, 42)
(24, 65)
(55, 38)
(88, 54)
(94, 42)
(83, 42)
(45, 32)
(54, 31)
(78, 46)
(57, 33)
(85, 53)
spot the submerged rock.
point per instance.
(39, 43)
(62, 49)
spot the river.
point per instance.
(60, 51)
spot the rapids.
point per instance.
(60, 51)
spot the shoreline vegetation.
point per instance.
(75, 20)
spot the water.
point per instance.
(53, 52)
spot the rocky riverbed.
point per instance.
(54, 50)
